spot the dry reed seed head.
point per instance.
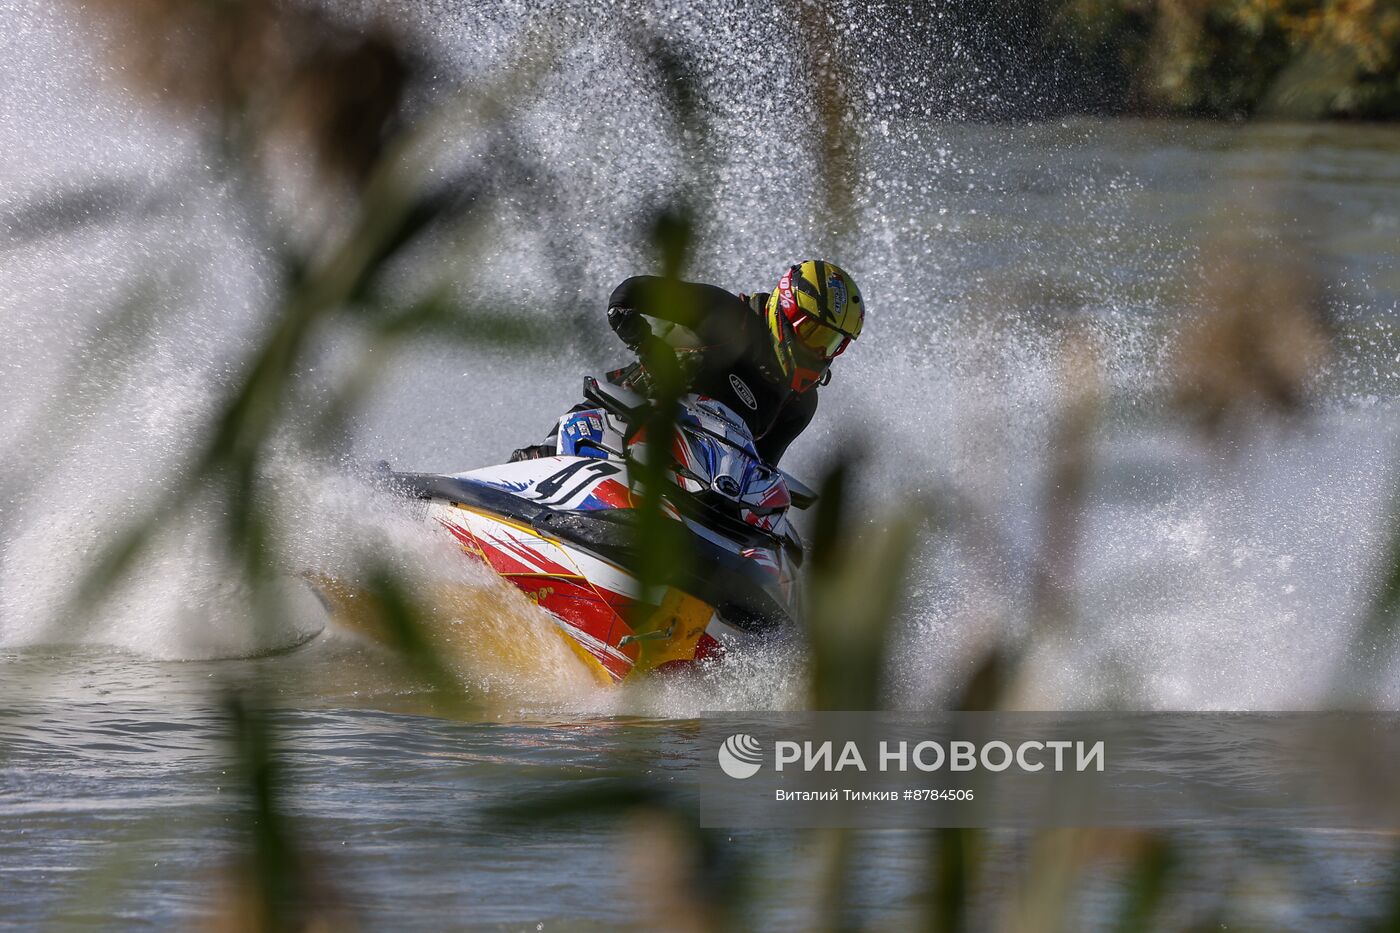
(337, 91)
(674, 896)
(1082, 367)
(196, 54)
(1258, 342)
(346, 100)
(237, 905)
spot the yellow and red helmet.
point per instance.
(813, 315)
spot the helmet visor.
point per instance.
(823, 340)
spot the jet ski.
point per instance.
(563, 530)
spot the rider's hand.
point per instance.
(629, 325)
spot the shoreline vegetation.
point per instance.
(1220, 59)
(1223, 59)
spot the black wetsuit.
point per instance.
(727, 354)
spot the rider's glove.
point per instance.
(629, 325)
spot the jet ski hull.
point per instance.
(563, 530)
(572, 563)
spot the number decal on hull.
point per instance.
(548, 489)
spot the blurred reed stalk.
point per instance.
(1259, 341)
(1070, 465)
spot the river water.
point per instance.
(1221, 575)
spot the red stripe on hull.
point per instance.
(591, 612)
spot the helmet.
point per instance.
(813, 314)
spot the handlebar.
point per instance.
(626, 404)
(631, 407)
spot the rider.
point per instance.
(761, 355)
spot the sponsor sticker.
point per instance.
(838, 292)
(743, 391)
